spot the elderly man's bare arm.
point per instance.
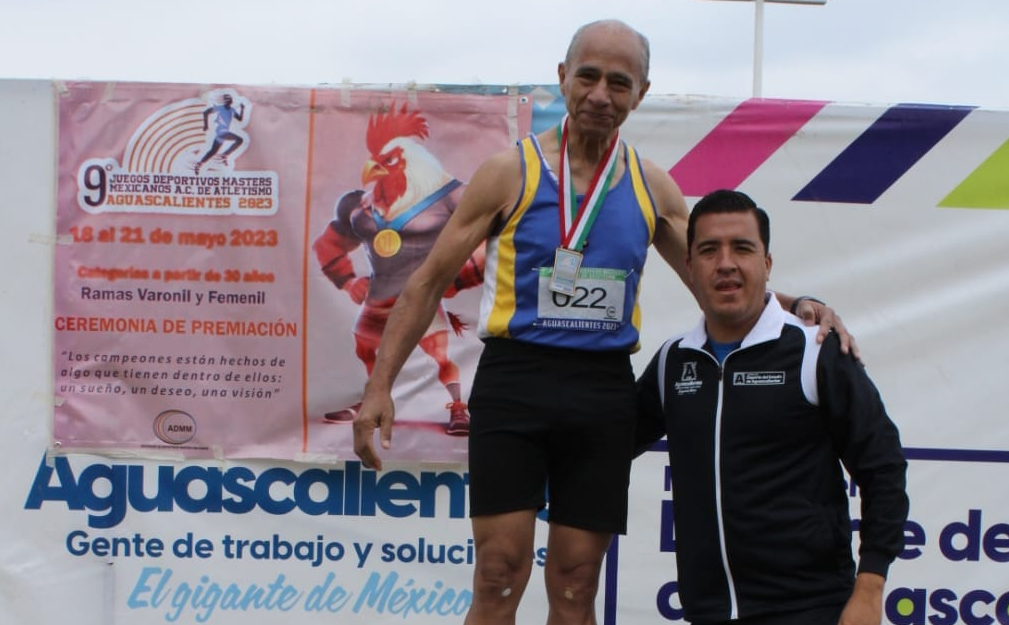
(671, 243)
(671, 229)
(490, 194)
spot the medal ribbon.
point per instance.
(402, 219)
(576, 220)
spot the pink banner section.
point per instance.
(231, 257)
(741, 143)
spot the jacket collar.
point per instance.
(767, 328)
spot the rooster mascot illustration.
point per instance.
(406, 200)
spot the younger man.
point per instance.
(758, 414)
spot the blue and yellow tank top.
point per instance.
(603, 314)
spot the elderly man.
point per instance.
(567, 217)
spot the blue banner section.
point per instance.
(883, 153)
(916, 453)
(957, 455)
(548, 107)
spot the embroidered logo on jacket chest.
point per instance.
(688, 383)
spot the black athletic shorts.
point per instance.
(552, 424)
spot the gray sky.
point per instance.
(872, 51)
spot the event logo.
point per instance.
(175, 427)
(182, 160)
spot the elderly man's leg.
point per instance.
(504, 557)
(574, 559)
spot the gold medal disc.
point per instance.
(387, 243)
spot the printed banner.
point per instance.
(914, 260)
(229, 257)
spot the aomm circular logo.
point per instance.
(174, 427)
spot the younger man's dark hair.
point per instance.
(729, 201)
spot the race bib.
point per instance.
(597, 303)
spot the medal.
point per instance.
(576, 219)
(566, 265)
(387, 243)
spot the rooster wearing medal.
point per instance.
(406, 200)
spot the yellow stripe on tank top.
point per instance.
(641, 191)
(648, 212)
(504, 292)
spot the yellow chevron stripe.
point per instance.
(641, 191)
(648, 212)
(504, 305)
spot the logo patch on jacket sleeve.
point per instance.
(758, 378)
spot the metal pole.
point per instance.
(758, 46)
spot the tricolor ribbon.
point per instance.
(576, 220)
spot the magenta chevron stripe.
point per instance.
(741, 143)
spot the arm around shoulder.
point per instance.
(672, 212)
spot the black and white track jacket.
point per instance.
(760, 504)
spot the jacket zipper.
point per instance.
(722, 545)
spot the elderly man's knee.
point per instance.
(500, 576)
(576, 582)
